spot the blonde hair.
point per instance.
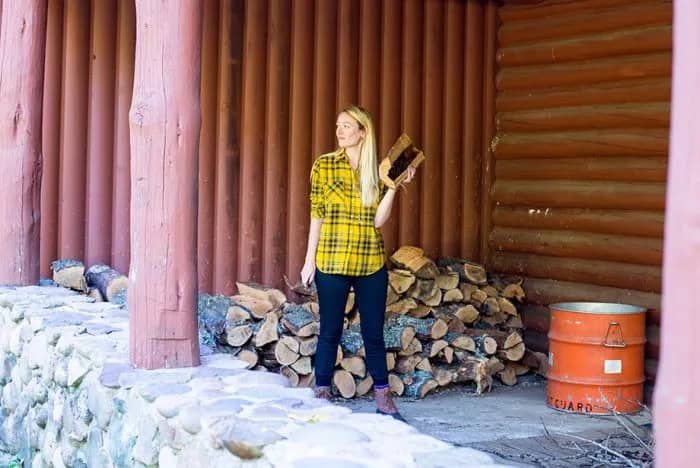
(369, 175)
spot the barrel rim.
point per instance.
(598, 308)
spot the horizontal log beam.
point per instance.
(623, 169)
(514, 12)
(585, 22)
(548, 291)
(608, 44)
(632, 115)
(584, 72)
(536, 317)
(573, 244)
(597, 272)
(623, 222)
(628, 90)
(581, 194)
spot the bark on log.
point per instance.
(398, 337)
(419, 384)
(108, 281)
(351, 342)
(299, 320)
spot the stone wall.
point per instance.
(70, 398)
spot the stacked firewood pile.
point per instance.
(446, 323)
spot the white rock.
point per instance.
(38, 351)
(169, 405)
(78, 366)
(167, 458)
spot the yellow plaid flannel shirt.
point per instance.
(349, 243)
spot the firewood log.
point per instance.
(518, 367)
(537, 361)
(507, 376)
(460, 341)
(472, 369)
(477, 298)
(403, 154)
(338, 355)
(238, 333)
(350, 304)
(452, 295)
(454, 324)
(514, 291)
(355, 365)
(299, 321)
(351, 342)
(236, 312)
(257, 307)
(494, 365)
(307, 346)
(425, 328)
(401, 280)
(291, 375)
(272, 295)
(403, 306)
(447, 280)
(507, 307)
(514, 353)
(302, 366)
(307, 381)
(418, 384)
(420, 311)
(442, 375)
(397, 336)
(313, 308)
(396, 384)
(485, 344)
(468, 271)
(249, 356)
(286, 350)
(466, 313)
(407, 364)
(69, 274)
(390, 361)
(363, 386)
(514, 321)
(490, 291)
(490, 306)
(267, 332)
(447, 354)
(391, 296)
(413, 259)
(344, 382)
(425, 365)
(427, 292)
(414, 347)
(108, 281)
(467, 290)
(433, 349)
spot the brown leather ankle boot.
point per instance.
(385, 403)
(323, 393)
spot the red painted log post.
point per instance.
(164, 121)
(676, 397)
(22, 42)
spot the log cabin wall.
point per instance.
(274, 75)
(580, 154)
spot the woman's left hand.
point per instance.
(411, 174)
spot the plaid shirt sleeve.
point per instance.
(318, 185)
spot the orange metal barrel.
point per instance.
(596, 357)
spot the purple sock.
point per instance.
(381, 387)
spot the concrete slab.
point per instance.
(497, 422)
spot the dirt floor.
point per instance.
(516, 426)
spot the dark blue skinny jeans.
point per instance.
(370, 297)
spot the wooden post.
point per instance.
(676, 398)
(22, 41)
(165, 120)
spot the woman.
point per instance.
(348, 206)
